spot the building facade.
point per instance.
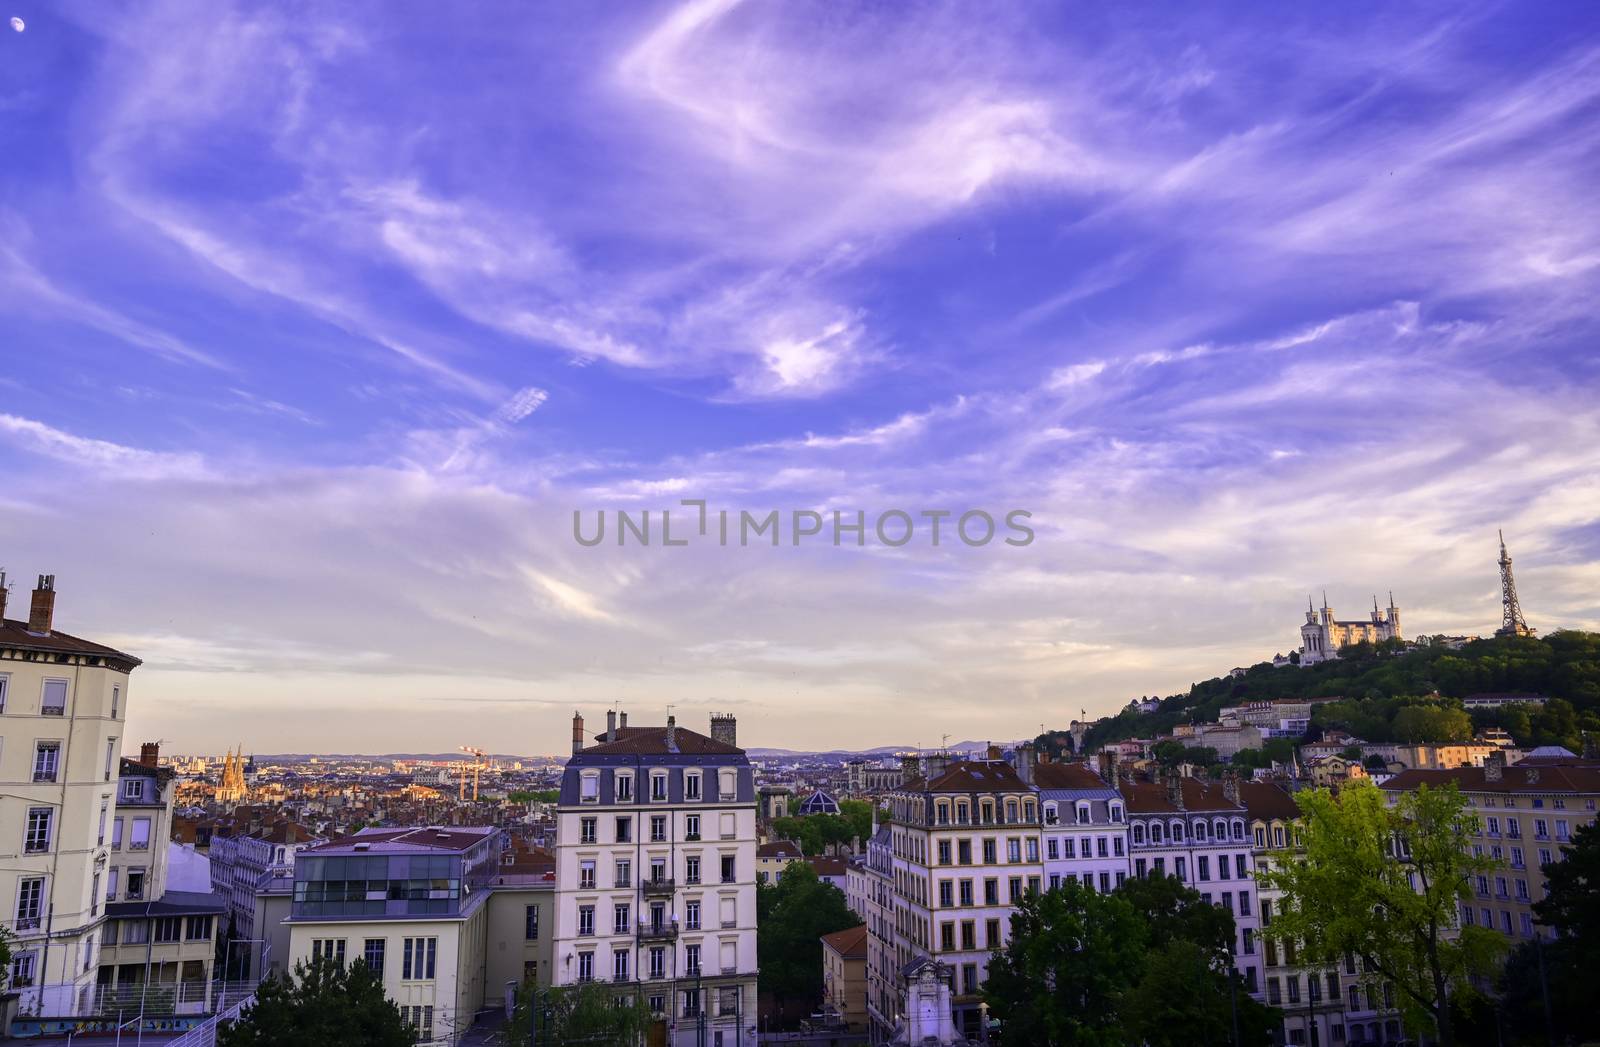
(1085, 827)
(63, 701)
(656, 876)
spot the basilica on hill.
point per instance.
(1322, 635)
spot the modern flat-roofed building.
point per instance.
(656, 876)
(413, 904)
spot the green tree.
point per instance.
(1060, 979)
(1385, 883)
(791, 918)
(858, 813)
(1183, 998)
(7, 939)
(1426, 723)
(324, 1002)
(586, 1014)
(534, 796)
(1174, 912)
(1571, 903)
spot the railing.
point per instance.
(656, 886)
(648, 931)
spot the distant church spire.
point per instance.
(1512, 622)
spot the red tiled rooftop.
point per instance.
(851, 943)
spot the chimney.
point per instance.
(937, 763)
(622, 721)
(44, 605)
(577, 732)
(611, 725)
(1175, 789)
(992, 753)
(1025, 762)
(1494, 768)
(672, 733)
(150, 753)
(1108, 766)
(910, 766)
(725, 729)
(1230, 786)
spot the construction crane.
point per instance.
(478, 757)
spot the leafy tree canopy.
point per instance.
(791, 918)
(324, 1002)
(586, 1014)
(1384, 883)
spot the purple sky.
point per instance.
(317, 323)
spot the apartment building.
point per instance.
(964, 847)
(1085, 827)
(413, 904)
(844, 977)
(156, 939)
(656, 876)
(242, 861)
(869, 891)
(1526, 812)
(62, 704)
(1196, 830)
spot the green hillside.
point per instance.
(1390, 692)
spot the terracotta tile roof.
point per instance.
(1151, 797)
(651, 740)
(1067, 776)
(827, 866)
(1577, 778)
(1266, 800)
(779, 849)
(851, 943)
(972, 776)
(14, 635)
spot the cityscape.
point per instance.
(711, 523)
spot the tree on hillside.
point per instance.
(323, 1002)
(1385, 883)
(791, 918)
(1424, 723)
(586, 1014)
(1072, 956)
(1175, 912)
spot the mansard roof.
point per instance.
(652, 741)
(16, 636)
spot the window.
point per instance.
(94, 896)
(1203, 867)
(22, 968)
(111, 883)
(589, 787)
(139, 838)
(36, 839)
(966, 893)
(624, 829)
(586, 830)
(691, 916)
(658, 828)
(691, 786)
(691, 960)
(111, 757)
(658, 787)
(691, 825)
(620, 914)
(135, 891)
(5, 686)
(989, 852)
(586, 920)
(530, 923)
(623, 873)
(170, 929)
(619, 965)
(54, 700)
(418, 956)
(586, 874)
(944, 852)
(658, 963)
(691, 869)
(727, 785)
(321, 948)
(728, 871)
(624, 784)
(46, 761)
(420, 1018)
(116, 701)
(372, 954)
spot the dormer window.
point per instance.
(1050, 814)
(133, 789)
(589, 787)
(1083, 814)
(1116, 812)
(658, 787)
(691, 785)
(624, 785)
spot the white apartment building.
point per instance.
(1197, 831)
(964, 847)
(62, 705)
(1085, 827)
(242, 863)
(656, 876)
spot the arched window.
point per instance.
(1011, 810)
(1027, 811)
(1177, 832)
(1083, 814)
(1156, 835)
(1116, 812)
(1238, 828)
(1261, 837)
(1200, 831)
(1222, 829)
(1051, 817)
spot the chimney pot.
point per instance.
(150, 753)
(611, 725)
(622, 720)
(577, 732)
(41, 612)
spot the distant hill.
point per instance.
(1564, 666)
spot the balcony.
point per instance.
(657, 932)
(691, 837)
(656, 886)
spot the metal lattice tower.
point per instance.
(1513, 624)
